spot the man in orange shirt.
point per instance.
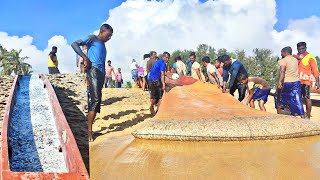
(307, 67)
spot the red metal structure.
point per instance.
(68, 145)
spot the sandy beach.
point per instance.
(125, 110)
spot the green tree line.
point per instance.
(11, 62)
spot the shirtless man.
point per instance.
(108, 79)
(258, 90)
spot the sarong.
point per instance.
(290, 97)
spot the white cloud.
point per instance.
(307, 30)
(141, 26)
(39, 58)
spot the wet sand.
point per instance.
(115, 154)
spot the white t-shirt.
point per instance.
(144, 65)
(133, 65)
(212, 69)
(195, 66)
(181, 67)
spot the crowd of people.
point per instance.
(297, 74)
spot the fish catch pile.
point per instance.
(33, 138)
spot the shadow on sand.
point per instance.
(122, 125)
(113, 100)
(76, 120)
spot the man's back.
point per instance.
(291, 64)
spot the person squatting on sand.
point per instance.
(94, 63)
(307, 64)
(53, 61)
(212, 72)
(233, 68)
(289, 89)
(157, 81)
(258, 90)
(109, 71)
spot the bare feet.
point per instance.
(152, 110)
(90, 136)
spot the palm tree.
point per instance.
(11, 62)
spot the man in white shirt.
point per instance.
(134, 71)
(196, 71)
(213, 74)
(180, 66)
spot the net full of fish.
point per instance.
(33, 138)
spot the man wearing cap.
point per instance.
(307, 64)
(231, 70)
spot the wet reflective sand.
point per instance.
(115, 154)
(129, 158)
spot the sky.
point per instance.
(144, 25)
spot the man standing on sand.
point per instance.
(231, 70)
(307, 68)
(146, 58)
(80, 63)
(156, 81)
(134, 72)
(53, 61)
(109, 71)
(119, 80)
(289, 89)
(94, 63)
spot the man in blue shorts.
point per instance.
(156, 81)
(94, 65)
(258, 89)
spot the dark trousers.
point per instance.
(241, 90)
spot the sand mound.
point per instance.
(236, 129)
(201, 112)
